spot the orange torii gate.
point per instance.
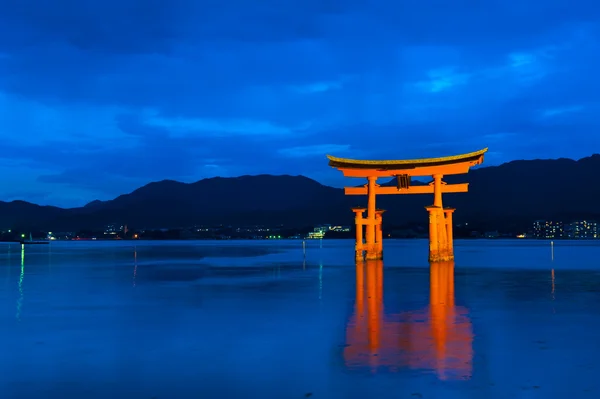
(440, 218)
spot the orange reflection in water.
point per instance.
(438, 338)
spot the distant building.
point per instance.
(581, 229)
(548, 229)
(320, 231)
(339, 228)
(114, 228)
(491, 234)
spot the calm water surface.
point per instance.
(257, 320)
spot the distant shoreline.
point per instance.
(301, 239)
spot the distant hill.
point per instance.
(519, 192)
(21, 213)
(509, 196)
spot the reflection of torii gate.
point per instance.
(438, 338)
(440, 218)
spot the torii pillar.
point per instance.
(441, 247)
(371, 221)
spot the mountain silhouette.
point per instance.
(506, 197)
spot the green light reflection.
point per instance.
(320, 280)
(21, 277)
(134, 264)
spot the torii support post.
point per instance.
(434, 244)
(359, 222)
(378, 255)
(449, 233)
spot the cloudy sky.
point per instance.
(100, 97)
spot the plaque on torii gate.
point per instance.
(440, 219)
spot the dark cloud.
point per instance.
(101, 97)
(152, 25)
(113, 26)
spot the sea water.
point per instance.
(258, 319)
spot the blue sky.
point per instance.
(99, 98)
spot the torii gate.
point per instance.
(440, 219)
